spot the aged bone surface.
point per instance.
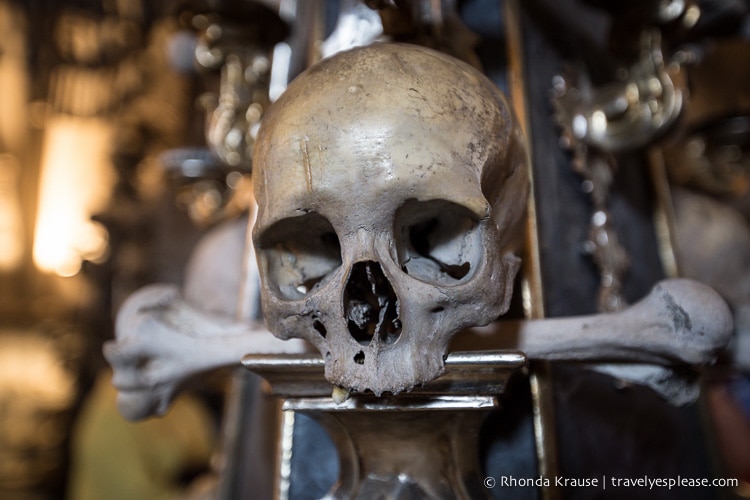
(680, 321)
(163, 341)
(391, 186)
(164, 336)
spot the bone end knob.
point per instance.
(699, 322)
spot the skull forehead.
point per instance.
(387, 89)
(339, 180)
(381, 119)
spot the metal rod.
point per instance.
(540, 378)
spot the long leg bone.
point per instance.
(162, 341)
(680, 321)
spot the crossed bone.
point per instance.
(162, 341)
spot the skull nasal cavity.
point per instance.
(370, 305)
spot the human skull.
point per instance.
(392, 184)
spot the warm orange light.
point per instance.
(13, 129)
(11, 221)
(76, 180)
(30, 369)
(14, 82)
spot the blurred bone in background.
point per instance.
(108, 182)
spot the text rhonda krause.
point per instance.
(618, 482)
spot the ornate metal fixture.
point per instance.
(599, 122)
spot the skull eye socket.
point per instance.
(299, 254)
(439, 241)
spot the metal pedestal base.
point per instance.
(421, 444)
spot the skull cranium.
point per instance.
(392, 185)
